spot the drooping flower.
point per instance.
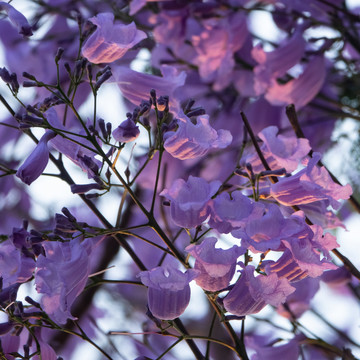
(169, 290)
(215, 46)
(216, 265)
(251, 294)
(189, 201)
(274, 64)
(36, 163)
(16, 18)
(191, 141)
(311, 184)
(61, 276)
(302, 90)
(110, 41)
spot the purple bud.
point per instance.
(189, 105)
(30, 84)
(5, 75)
(32, 120)
(34, 110)
(59, 54)
(196, 112)
(102, 79)
(28, 76)
(68, 214)
(83, 188)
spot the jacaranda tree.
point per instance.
(209, 188)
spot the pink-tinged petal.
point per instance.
(251, 294)
(191, 141)
(302, 90)
(287, 151)
(110, 41)
(276, 63)
(216, 265)
(310, 185)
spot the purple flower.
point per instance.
(169, 290)
(61, 276)
(262, 234)
(191, 141)
(110, 41)
(17, 19)
(15, 267)
(265, 350)
(276, 63)
(127, 131)
(283, 151)
(230, 213)
(136, 86)
(216, 266)
(251, 294)
(215, 46)
(189, 205)
(301, 90)
(36, 163)
(309, 185)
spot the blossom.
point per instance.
(169, 290)
(189, 201)
(283, 151)
(127, 131)
(110, 41)
(191, 141)
(266, 232)
(274, 64)
(302, 90)
(311, 184)
(136, 86)
(215, 46)
(16, 18)
(251, 294)
(230, 213)
(216, 265)
(36, 163)
(15, 267)
(61, 276)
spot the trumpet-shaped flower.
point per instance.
(169, 290)
(251, 294)
(110, 41)
(311, 184)
(189, 201)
